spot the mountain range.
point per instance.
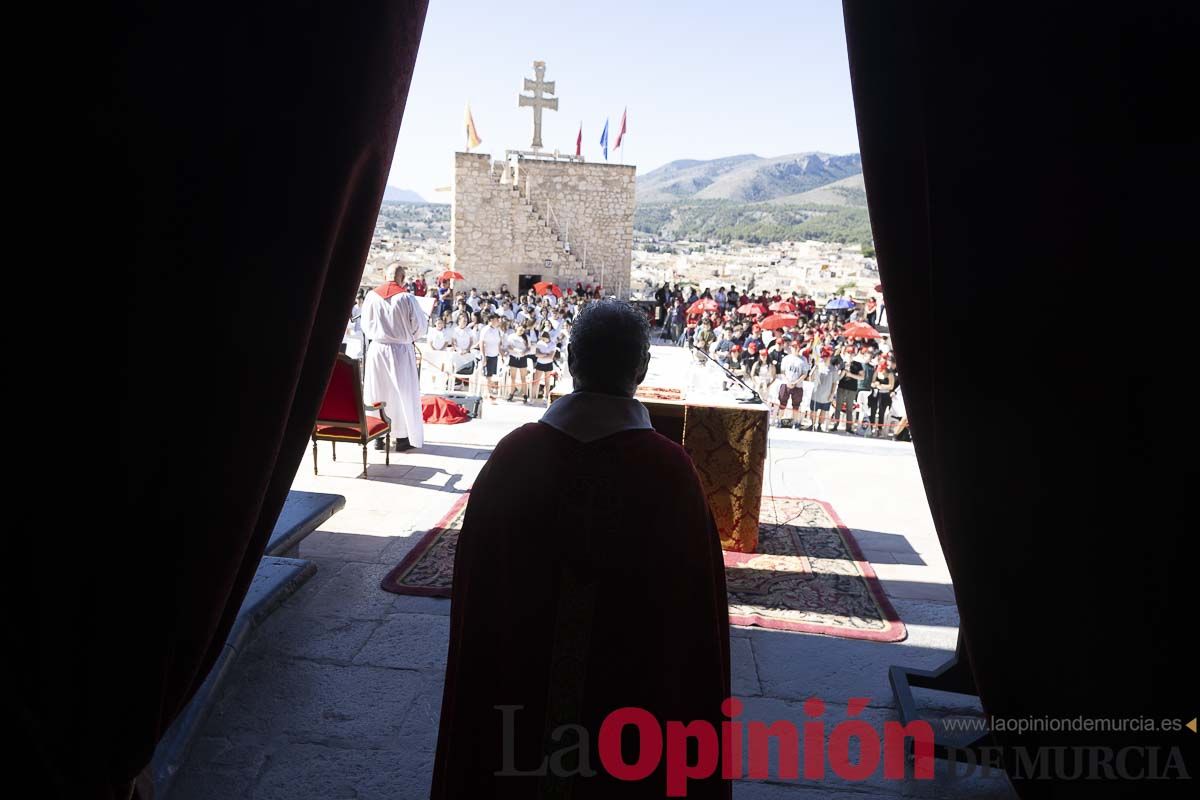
(393, 195)
(752, 179)
(846, 192)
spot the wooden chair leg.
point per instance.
(334, 450)
(364, 460)
(314, 456)
(387, 449)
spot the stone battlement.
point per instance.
(564, 221)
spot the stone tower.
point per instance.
(541, 217)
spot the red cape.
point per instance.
(611, 593)
(440, 411)
(389, 289)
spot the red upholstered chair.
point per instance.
(344, 418)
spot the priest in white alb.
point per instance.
(393, 320)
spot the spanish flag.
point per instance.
(473, 139)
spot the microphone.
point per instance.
(754, 395)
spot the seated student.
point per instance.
(439, 355)
(553, 626)
(462, 338)
(439, 337)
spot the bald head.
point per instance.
(396, 270)
(610, 348)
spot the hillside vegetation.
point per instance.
(756, 223)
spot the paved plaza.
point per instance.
(338, 694)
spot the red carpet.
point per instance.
(808, 574)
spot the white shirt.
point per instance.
(792, 369)
(473, 303)
(464, 339)
(438, 338)
(517, 345)
(489, 341)
(545, 352)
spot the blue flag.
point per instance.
(604, 140)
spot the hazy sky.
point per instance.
(702, 79)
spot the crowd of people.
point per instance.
(812, 373)
(515, 343)
(789, 349)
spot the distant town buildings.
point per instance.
(418, 235)
(821, 269)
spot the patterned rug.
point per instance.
(808, 574)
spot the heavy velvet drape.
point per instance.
(1031, 184)
(215, 176)
(195, 189)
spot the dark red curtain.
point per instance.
(1031, 181)
(211, 179)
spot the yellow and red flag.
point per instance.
(473, 139)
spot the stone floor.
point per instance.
(338, 694)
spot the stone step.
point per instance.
(275, 580)
(303, 513)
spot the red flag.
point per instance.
(579, 141)
(621, 133)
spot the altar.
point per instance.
(727, 440)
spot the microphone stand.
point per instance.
(754, 395)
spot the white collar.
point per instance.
(589, 416)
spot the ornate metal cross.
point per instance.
(538, 101)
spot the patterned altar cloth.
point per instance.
(729, 448)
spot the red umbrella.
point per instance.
(860, 330)
(782, 305)
(752, 309)
(451, 275)
(542, 287)
(776, 321)
(702, 305)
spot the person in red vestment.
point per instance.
(619, 602)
